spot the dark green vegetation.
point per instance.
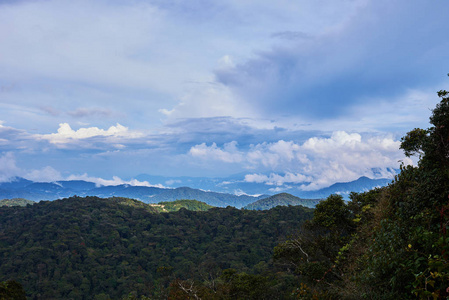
(283, 199)
(16, 202)
(12, 290)
(92, 248)
(192, 205)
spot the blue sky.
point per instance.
(293, 91)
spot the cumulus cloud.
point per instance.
(316, 163)
(114, 181)
(274, 155)
(9, 169)
(46, 174)
(228, 154)
(239, 192)
(279, 189)
(8, 166)
(277, 179)
(66, 134)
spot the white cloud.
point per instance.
(273, 155)
(317, 163)
(228, 154)
(242, 193)
(8, 167)
(279, 189)
(46, 174)
(277, 179)
(66, 134)
(339, 139)
(114, 181)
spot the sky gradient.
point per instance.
(288, 91)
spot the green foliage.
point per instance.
(193, 205)
(333, 214)
(282, 199)
(413, 142)
(313, 253)
(11, 290)
(400, 250)
(434, 280)
(16, 202)
(232, 285)
(92, 248)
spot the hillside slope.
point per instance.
(82, 248)
(171, 206)
(16, 202)
(282, 199)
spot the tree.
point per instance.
(333, 214)
(409, 250)
(432, 144)
(12, 290)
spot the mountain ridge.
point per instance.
(22, 188)
(282, 199)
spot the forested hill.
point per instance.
(92, 248)
(16, 202)
(282, 199)
(193, 205)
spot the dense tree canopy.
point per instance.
(82, 248)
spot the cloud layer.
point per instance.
(317, 163)
(282, 92)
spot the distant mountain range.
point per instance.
(36, 191)
(362, 184)
(22, 188)
(237, 185)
